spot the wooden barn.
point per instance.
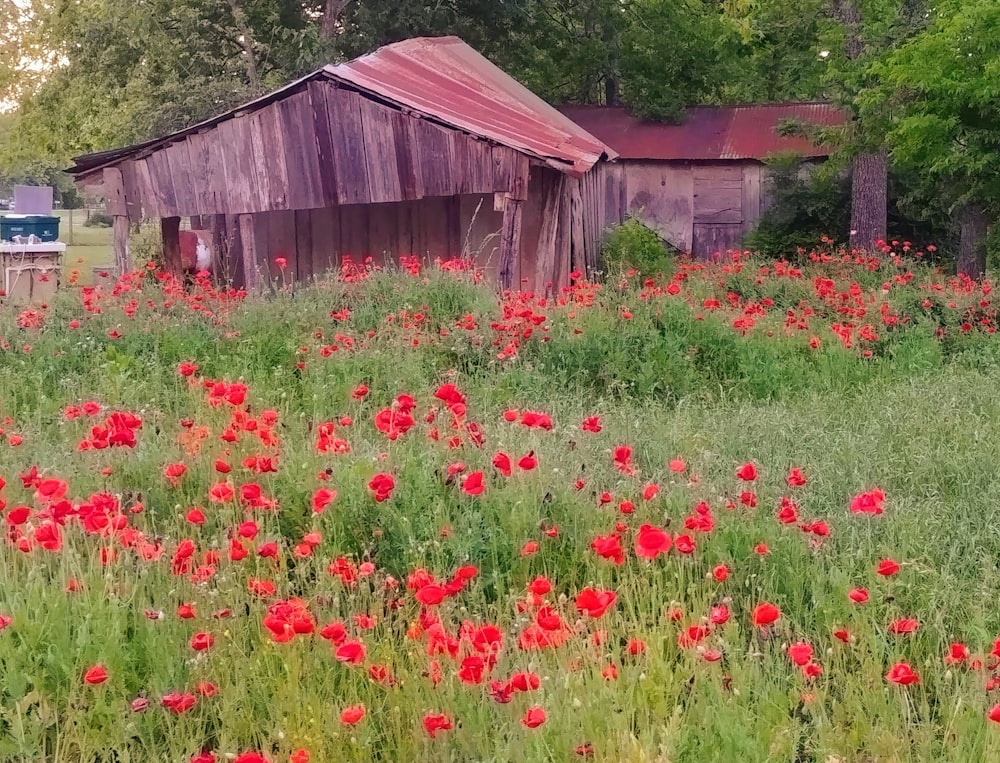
(421, 148)
(701, 184)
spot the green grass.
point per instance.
(913, 412)
(86, 247)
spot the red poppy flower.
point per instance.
(221, 492)
(352, 715)
(351, 653)
(800, 653)
(436, 723)
(202, 641)
(95, 675)
(887, 568)
(719, 615)
(677, 465)
(765, 614)
(795, 477)
(178, 703)
(747, 472)
(858, 595)
(381, 487)
(501, 462)
(322, 498)
(902, 674)
(533, 717)
(957, 654)
(904, 626)
(622, 458)
(540, 586)
(595, 602)
(591, 424)
(868, 503)
(685, 544)
(994, 713)
(473, 484)
(650, 542)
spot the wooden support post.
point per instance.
(123, 252)
(249, 242)
(170, 230)
(510, 237)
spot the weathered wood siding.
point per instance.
(701, 208)
(661, 195)
(567, 219)
(322, 146)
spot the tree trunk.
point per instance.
(972, 244)
(870, 171)
(869, 181)
(331, 15)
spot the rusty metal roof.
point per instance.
(707, 133)
(439, 78)
(444, 78)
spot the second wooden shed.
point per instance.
(700, 183)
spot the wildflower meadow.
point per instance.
(739, 511)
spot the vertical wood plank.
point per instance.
(546, 251)
(380, 152)
(133, 204)
(248, 240)
(123, 252)
(147, 199)
(304, 268)
(161, 183)
(578, 235)
(178, 164)
(325, 239)
(410, 182)
(455, 232)
(510, 238)
(751, 197)
(299, 143)
(201, 175)
(324, 142)
(348, 142)
(170, 230)
(270, 153)
(434, 160)
(404, 228)
(114, 191)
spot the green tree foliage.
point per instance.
(943, 88)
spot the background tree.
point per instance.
(944, 91)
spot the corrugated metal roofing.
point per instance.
(707, 133)
(442, 79)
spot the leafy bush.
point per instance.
(635, 246)
(804, 205)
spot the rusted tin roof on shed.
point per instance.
(448, 80)
(444, 80)
(707, 133)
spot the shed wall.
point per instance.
(322, 146)
(698, 207)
